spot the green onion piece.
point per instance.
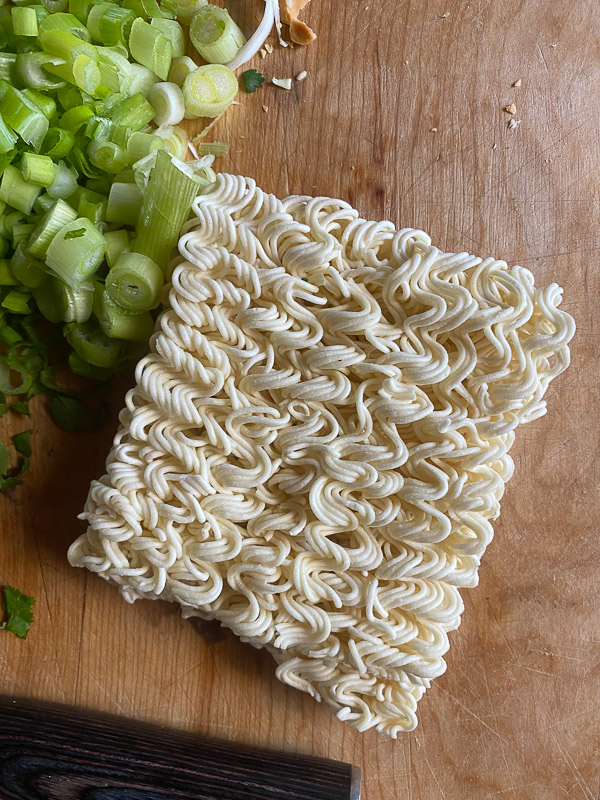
(37, 169)
(100, 185)
(17, 302)
(150, 48)
(119, 324)
(28, 270)
(92, 345)
(8, 138)
(139, 80)
(87, 75)
(110, 24)
(173, 31)
(4, 246)
(20, 233)
(55, 218)
(124, 203)
(43, 203)
(65, 22)
(78, 366)
(166, 206)
(209, 90)
(46, 104)
(117, 243)
(16, 192)
(76, 118)
(54, 5)
(167, 101)
(6, 276)
(30, 70)
(8, 221)
(23, 116)
(134, 283)
(180, 69)
(70, 96)
(140, 145)
(175, 140)
(24, 21)
(92, 206)
(7, 62)
(147, 8)
(59, 302)
(215, 35)
(133, 112)
(65, 182)
(58, 143)
(186, 9)
(107, 156)
(82, 164)
(80, 9)
(211, 148)
(76, 251)
(98, 128)
(65, 45)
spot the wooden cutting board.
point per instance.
(402, 114)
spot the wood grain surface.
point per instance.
(402, 114)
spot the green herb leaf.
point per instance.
(22, 443)
(73, 416)
(4, 457)
(252, 80)
(19, 610)
(21, 407)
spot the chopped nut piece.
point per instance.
(494, 146)
(302, 75)
(265, 109)
(263, 52)
(445, 15)
(513, 123)
(269, 48)
(516, 84)
(433, 130)
(510, 109)
(284, 83)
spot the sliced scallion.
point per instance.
(59, 302)
(173, 32)
(180, 69)
(141, 144)
(107, 156)
(110, 24)
(150, 48)
(215, 35)
(64, 183)
(8, 138)
(211, 148)
(24, 21)
(17, 302)
(28, 270)
(186, 9)
(124, 203)
(92, 345)
(139, 80)
(175, 140)
(23, 116)
(134, 283)
(6, 276)
(117, 243)
(65, 22)
(119, 324)
(55, 218)
(37, 169)
(76, 251)
(30, 70)
(168, 103)
(209, 90)
(16, 192)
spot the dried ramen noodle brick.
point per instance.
(318, 441)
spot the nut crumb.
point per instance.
(513, 123)
(269, 48)
(510, 109)
(445, 15)
(352, 167)
(265, 109)
(433, 130)
(302, 75)
(263, 52)
(494, 146)
(405, 63)
(283, 83)
(516, 84)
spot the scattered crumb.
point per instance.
(445, 15)
(235, 103)
(265, 109)
(406, 63)
(263, 52)
(513, 123)
(554, 45)
(269, 48)
(283, 83)
(516, 84)
(302, 75)
(353, 167)
(510, 109)
(494, 146)
(433, 130)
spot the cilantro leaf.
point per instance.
(252, 80)
(19, 610)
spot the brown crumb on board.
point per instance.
(265, 109)
(300, 33)
(513, 123)
(511, 108)
(445, 15)
(516, 84)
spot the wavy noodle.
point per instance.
(318, 441)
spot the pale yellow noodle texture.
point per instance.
(318, 441)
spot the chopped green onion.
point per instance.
(134, 283)
(74, 256)
(180, 69)
(24, 21)
(7, 62)
(65, 182)
(23, 116)
(28, 270)
(119, 324)
(124, 203)
(20, 233)
(133, 112)
(76, 118)
(8, 138)
(98, 128)
(167, 100)
(16, 192)
(186, 9)
(54, 5)
(92, 345)
(166, 206)
(109, 24)
(46, 104)
(139, 80)
(65, 45)
(6, 276)
(4, 246)
(37, 169)
(17, 302)
(148, 8)
(150, 48)
(209, 90)
(58, 143)
(80, 9)
(59, 302)
(30, 70)
(65, 22)
(117, 243)
(141, 144)
(55, 218)
(215, 35)
(92, 206)
(107, 156)
(173, 31)
(211, 148)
